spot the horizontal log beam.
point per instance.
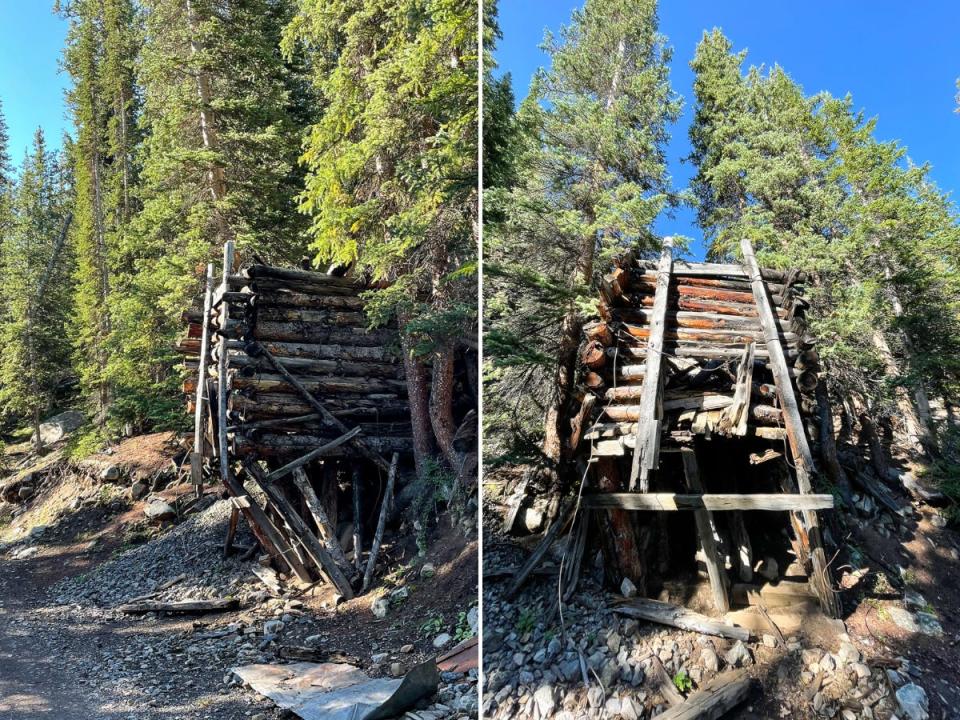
(715, 502)
(271, 405)
(273, 383)
(679, 617)
(313, 333)
(698, 320)
(322, 351)
(390, 371)
(277, 445)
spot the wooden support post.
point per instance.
(196, 458)
(357, 534)
(820, 578)
(326, 528)
(646, 451)
(707, 532)
(381, 523)
(231, 531)
(301, 533)
(222, 367)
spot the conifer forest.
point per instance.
(433, 359)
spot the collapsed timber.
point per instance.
(295, 397)
(698, 391)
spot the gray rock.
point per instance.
(473, 619)
(427, 571)
(595, 696)
(532, 519)
(378, 658)
(25, 492)
(272, 627)
(848, 653)
(139, 490)
(709, 659)
(861, 670)
(545, 700)
(399, 595)
(769, 640)
(406, 649)
(110, 473)
(913, 702)
(159, 510)
(59, 426)
(441, 640)
(380, 607)
(627, 588)
(738, 655)
(827, 663)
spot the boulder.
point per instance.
(380, 607)
(111, 473)
(139, 490)
(159, 510)
(913, 702)
(59, 426)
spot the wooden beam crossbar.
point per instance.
(714, 502)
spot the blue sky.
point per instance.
(899, 62)
(31, 86)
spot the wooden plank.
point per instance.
(646, 453)
(222, 379)
(734, 419)
(200, 404)
(707, 531)
(796, 437)
(678, 617)
(713, 700)
(326, 528)
(717, 502)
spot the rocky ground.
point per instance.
(81, 547)
(894, 655)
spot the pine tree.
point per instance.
(35, 278)
(221, 122)
(391, 188)
(592, 177)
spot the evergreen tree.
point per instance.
(35, 278)
(391, 187)
(221, 130)
(591, 179)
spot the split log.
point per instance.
(181, 606)
(707, 532)
(678, 617)
(734, 418)
(580, 420)
(385, 506)
(326, 529)
(715, 699)
(593, 355)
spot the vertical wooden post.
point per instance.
(707, 531)
(196, 459)
(646, 451)
(222, 389)
(381, 523)
(357, 536)
(796, 437)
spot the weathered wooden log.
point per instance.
(311, 456)
(716, 502)
(707, 532)
(681, 348)
(759, 414)
(385, 506)
(279, 298)
(696, 320)
(275, 445)
(731, 270)
(646, 451)
(720, 335)
(693, 304)
(293, 332)
(675, 399)
(579, 421)
(624, 535)
(678, 617)
(327, 385)
(803, 459)
(391, 371)
(300, 533)
(337, 318)
(715, 699)
(599, 332)
(309, 277)
(593, 355)
(385, 406)
(326, 529)
(695, 291)
(323, 351)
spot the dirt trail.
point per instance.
(36, 680)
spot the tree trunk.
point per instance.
(418, 395)
(913, 426)
(441, 405)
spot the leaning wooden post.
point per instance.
(800, 449)
(196, 459)
(381, 523)
(222, 366)
(646, 451)
(357, 535)
(707, 532)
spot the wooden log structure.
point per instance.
(679, 355)
(298, 386)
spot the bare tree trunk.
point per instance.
(828, 444)
(441, 404)
(418, 396)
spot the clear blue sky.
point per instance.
(31, 86)
(900, 63)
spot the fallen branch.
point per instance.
(714, 700)
(181, 606)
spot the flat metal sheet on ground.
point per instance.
(337, 691)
